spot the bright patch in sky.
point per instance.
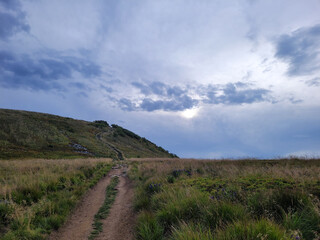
(251, 66)
(189, 113)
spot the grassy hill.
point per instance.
(36, 135)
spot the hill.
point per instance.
(26, 134)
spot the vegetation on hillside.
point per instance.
(227, 200)
(36, 196)
(36, 135)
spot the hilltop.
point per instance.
(26, 134)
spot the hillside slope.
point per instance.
(29, 134)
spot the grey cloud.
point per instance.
(108, 89)
(150, 105)
(12, 20)
(231, 94)
(234, 96)
(175, 91)
(315, 82)
(159, 89)
(82, 94)
(43, 73)
(11, 4)
(126, 104)
(247, 76)
(300, 50)
(172, 98)
(294, 100)
(79, 85)
(159, 96)
(179, 104)
(143, 88)
(241, 84)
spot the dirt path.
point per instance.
(118, 225)
(79, 225)
(119, 154)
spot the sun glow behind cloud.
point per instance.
(190, 113)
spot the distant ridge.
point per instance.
(26, 134)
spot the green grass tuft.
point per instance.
(148, 227)
(191, 232)
(252, 230)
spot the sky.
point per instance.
(202, 79)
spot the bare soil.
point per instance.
(118, 225)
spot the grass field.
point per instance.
(36, 196)
(175, 199)
(244, 199)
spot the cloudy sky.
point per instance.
(207, 78)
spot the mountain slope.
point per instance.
(29, 134)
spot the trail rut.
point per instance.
(118, 225)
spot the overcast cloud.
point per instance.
(200, 78)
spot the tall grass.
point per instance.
(191, 231)
(36, 196)
(253, 230)
(227, 199)
(148, 227)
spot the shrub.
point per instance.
(27, 195)
(170, 179)
(177, 172)
(100, 124)
(153, 188)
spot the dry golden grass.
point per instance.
(37, 195)
(227, 199)
(297, 169)
(26, 173)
